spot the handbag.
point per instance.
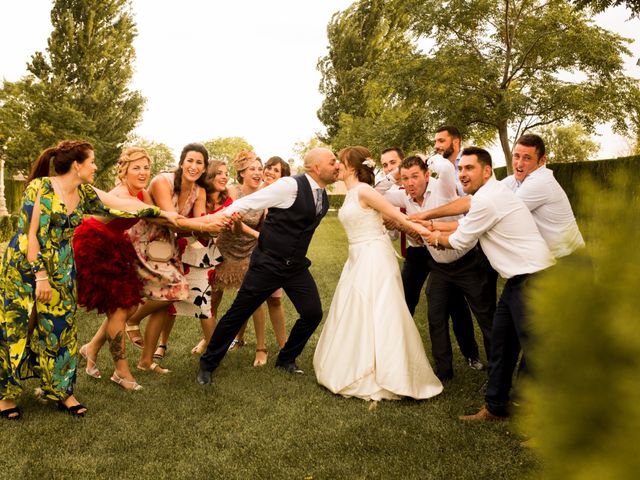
(159, 251)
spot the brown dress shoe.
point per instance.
(484, 415)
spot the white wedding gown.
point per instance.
(370, 347)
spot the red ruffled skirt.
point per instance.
(106, 273)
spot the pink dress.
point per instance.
(162, 280)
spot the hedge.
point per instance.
(336, 200)
(569, 175)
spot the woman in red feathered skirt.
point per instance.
(106, 265)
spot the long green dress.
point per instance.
(50, 351)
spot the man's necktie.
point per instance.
(319, 200)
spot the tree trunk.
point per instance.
(506, 147)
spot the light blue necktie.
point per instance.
(318, 201)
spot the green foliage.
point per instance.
(226, 148)
(301, 148)
(79, 88)
(369, 79)
(336, 200)
(568, 143)
(570, 175)
(8, 226)
(13, 190)
(160, 153)
(585, 396)
(598, 6)
(397, 69)
(515, 65)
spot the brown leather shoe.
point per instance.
(484, 415)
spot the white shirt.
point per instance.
(280, 194)
(441, 190)
(506, 230)
(550, 207)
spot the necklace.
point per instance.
(64, 200)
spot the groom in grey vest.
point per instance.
(296, 206)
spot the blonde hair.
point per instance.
(128, 155)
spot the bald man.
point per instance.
(296, 206)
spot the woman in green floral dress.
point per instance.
(37, 279)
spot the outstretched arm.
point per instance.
(370, 198)
(457, 207)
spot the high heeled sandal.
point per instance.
(13, 413)
(155, 368)
(135, 386)
(160, 356)
(91, 369)
(74, 410)
(137, 340)
(261, 363)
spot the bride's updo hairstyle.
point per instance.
(359, 158)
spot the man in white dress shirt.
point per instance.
(421, 191)
(536, 186)
(510, 239)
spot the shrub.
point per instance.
(8, 226)
(585, 398)
(336, 200)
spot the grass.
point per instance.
(258, 423)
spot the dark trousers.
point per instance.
(470, 279)
(266, 274)
(414, 275)
(509, 334)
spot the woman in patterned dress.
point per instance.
(38, 275)
(201, 256)
(183, 191)
(236, 248)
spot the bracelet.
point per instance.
(436, 244)
(41, 279)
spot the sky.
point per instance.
(247, 68)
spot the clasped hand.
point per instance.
(171, 217)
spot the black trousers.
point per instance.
(414, 273)
(266, 274)
(510, 333)
(472, 278)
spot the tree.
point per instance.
(568, 143)
(490, 68)
(161, 155)
(599, 6)
(79, 88)
(301, 148)
(226, 148)
(516, 65)
(368, 80)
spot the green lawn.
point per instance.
(258, 423)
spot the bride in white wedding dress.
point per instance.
(370, 347)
